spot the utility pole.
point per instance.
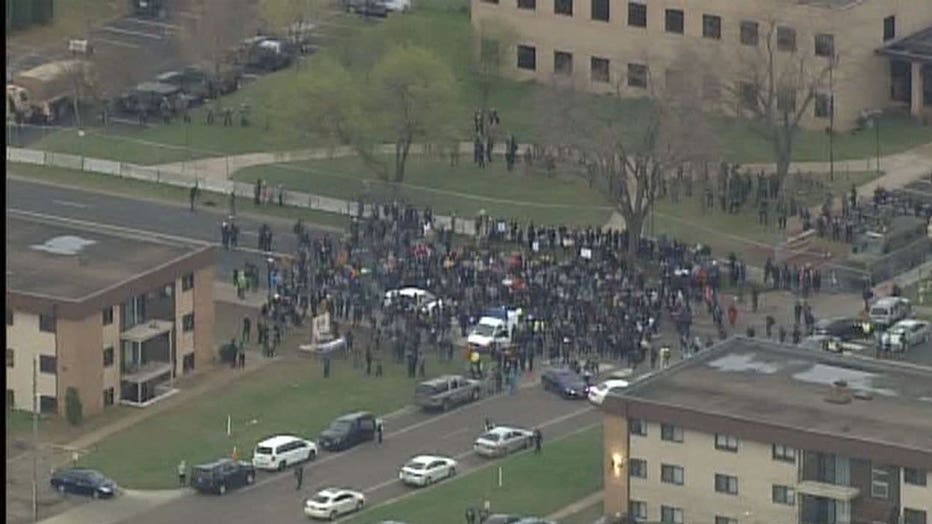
(35, 439)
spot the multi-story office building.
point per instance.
(115, 317)
(879, 52)
(752, 432)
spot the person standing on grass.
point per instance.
(538, 440)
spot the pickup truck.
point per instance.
(447, 391)
(493, 329)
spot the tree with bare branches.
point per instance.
(216, 30)
(494, 43)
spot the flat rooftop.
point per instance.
(753, 380)
(67, 263)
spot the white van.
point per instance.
(887, 311)
(281, 451)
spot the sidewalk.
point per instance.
(576, 507)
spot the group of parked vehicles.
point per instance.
(888, 316)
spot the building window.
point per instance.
(187, 281)
(601, 10)
(675, 21)
(749, 33)
(671, 474)
(784, 495)
(889, 28)
(527, 57)
(47, 323)
(712, 27)
(880, 484)
(527, 4)
(9, 318)
(726, 442)
(48, 404)
(599, 69)
(637, 14)
(10, 399)
(187, 322)
(637, 427)
(786, 38)
(637, 75)
(10, 357)
(823, 105)
(914, 516)
(491, 1)
(107, 316)
(825, 45)
(726, 484)
(784, 453)
(638, 468)
(108, 397)
(48, 364)
(671, 433)
(725, 520)
(562, 63)
(914, 476)
(108, 356)
(671, 515)
(563, 7)
(638, 509)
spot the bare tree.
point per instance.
(218, 27)
(493, 41)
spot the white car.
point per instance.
(420, 298)
(281, 451)
(502, 440)
(330, 503)
(598, 392)
(426, 469)
(905, 334)
(398, 6)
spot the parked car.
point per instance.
(281, 451)
(424, 470)
(447, 391)
(330, 503)
(83, 482)
(566, 382)
(534, 520)
(502, 440)
(398, 6)
(886, 311)
(845, 328)
(192, 81)
(822, 343)
(410, 298)
(906, 334)
(349, 430)
(223, 475)
(501, 518)
(598, 392)
(366, 7)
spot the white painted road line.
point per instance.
(131, 33)
(115, 42)
(69, 204)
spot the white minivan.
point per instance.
(281, 451)
(886, 311)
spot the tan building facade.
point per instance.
(640, 47)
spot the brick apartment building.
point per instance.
(883, 47)
(752, 432)
(116, 317)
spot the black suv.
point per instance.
(217, 477)
(349, 430)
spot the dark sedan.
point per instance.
(83, 482)
(566, 382)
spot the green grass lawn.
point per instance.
(568, 470)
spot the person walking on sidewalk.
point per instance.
(299, 477)
(379, 431)
(192, 195)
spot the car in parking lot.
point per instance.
(398, 6)
(565, 382)
(822, 343)
(845, 328)
(534, 520)
(366, 7)
(281, 451)
(330, 503)
(501, 518)
(82, 481)
(598, 392)
(502, 440)
(446, 391)
(221, 476)
(411, 298)
(348, 431)
(423, 470)
(906, 334)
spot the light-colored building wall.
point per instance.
(861, 79)
(753, 465)
(80, 364)
(184, 341)
(204, 317)
(27, 342)
(615, 465)
(110, 337)
(917, 497)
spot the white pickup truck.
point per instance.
(493, 328)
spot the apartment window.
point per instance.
(638, 509)
(108, 356)
(637, 14)
(749, 33)
(48, 404)
(914, 516)
(784, 453)
(563, 7)
(725, 520)
(48, 364)
(726, 442)
(47, 323)
(914, 476)
(601, 10)
(712, 27)
(784, 495)
(823, 105)
(527, 57)
(880, 483)
(637, 427)
(562, 63)
(9, 357)
(825, 45)
(671, 474)
(726, 484)
(599, 69)
(786, 101)
(107, 316)
(187, 322)
(675, 21)
(638, 468)
(108, 397)
(637, 75)
(671, 433)
(10, 399)
(187, 281)
(786, 38)
(889, 28)
(490, 1)
(671, 515)
(9, 318)
(527, 4)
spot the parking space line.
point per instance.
(151, 22)
(131, 33)
(115, 42)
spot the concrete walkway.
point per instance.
(576, 507)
